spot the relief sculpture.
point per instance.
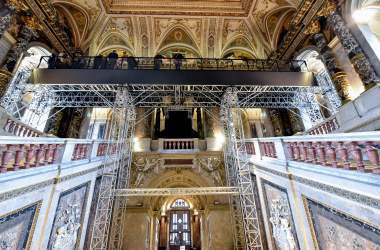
(284, 236)
(65, 233)
(282, 231)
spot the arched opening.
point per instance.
(180, 225)
(30, 108)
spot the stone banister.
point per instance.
(16, 153)
(351, 151)
(178, 145)
(328, 126)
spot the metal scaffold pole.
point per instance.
(238, 174)
(115, 168)
(120, 204)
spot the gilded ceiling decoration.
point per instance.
(206, 28)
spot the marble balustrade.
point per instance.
(351, 151)
(16, 153)
(19, 129)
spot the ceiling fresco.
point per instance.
(205, 28)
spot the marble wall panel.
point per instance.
(94, 203)
(280, 217)
(68, 219)
(334, 230)
(17, 227)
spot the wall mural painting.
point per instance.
(17, 227)
(68, 220)
(335, 230)
(91, 216)
(280, 217)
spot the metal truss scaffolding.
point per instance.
(247, 231)
(176, 191)
(115, 173)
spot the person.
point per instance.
(132, 63)
(178, 60)
(158, 61)
(112, 58)
(98, 60)
(52, 60)
(121, 61)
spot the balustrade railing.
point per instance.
(351, 151)
(19, 129)
(151, 63)
(326, 127)
(178, 145)
(16, 153)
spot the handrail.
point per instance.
(358, 151)
(152, 63)
(16, 153)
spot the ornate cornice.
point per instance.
(174, 8)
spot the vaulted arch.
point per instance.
(276, 24)
(178, 39)
(239, 46)
(75, 18)
(114, 40)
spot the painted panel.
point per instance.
(94, 203)
(68, 219)
(333, 230)
(17, 227)
(280, 216)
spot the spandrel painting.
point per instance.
(334, 230)
(17, 227)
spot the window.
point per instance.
(180, 203)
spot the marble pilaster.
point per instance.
(336, 73)
(355, 53)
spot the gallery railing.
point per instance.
(351, 151)
(151, 63)
(178, 145)
(17, 153)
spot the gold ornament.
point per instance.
(32, 22)
(327, 9)
(313, 28)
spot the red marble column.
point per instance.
(163, 232)
(196, 232)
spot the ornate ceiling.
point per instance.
(206, 28)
